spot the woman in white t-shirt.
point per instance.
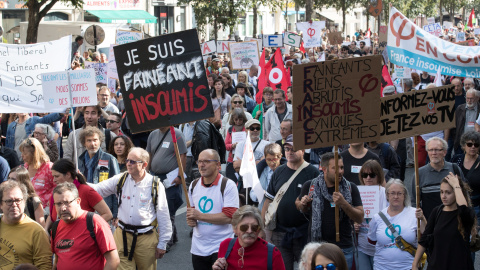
(371, 174)
(403, 218)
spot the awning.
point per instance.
(293, 12)
(123, 16)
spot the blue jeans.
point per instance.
(348, 252)
(364, 262)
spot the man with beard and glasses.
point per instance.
(466, 116)
(96, 164)
(72, 242)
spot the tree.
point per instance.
(36, 14)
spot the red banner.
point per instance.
(272, 74)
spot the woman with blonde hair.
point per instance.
(236, 101)
(243, 78)
(39, 169)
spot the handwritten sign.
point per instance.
(21, 67)
(100, 71)
(312, 33)
(431, 20)
(370, 199)
(335, 38)
(292, 39)
(127, 36)
(434, 29)
(208, 47)
(382, 39)
(163, 81)
(333, 103)
(417, 112)
(273, 41)
(244, 54)
(259, 42)
(222, 46)
(82, 85)
(447, 24)
(238, 137)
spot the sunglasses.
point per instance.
(237, 102)
(469, 144)
(133, 162)
(244, 228)
(254, 128)
(111, 121)
(372, 175)
(329, 266)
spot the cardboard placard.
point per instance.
(163, 81)
(209, 47)
(417, 112)
(244, 54)
(333, 102)
(127, 36)
(222, 46)
(335, 38)
(370, 199)
(273, 41)
(292, 39)
(82, 83)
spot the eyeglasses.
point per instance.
(244, 227)
(38, 133)
(278, 99)
(111, 121)
(435, 150)
(372, 175)
(241, 252)
(103, 95)
(393, 194)
(237, 102)
(288, 149)
(470, 144)
(254, 128)
(206, 161)
(10, 202)
(60, 204)
(272, 159)
(329, 266)
(133, 162)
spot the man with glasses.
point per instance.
(139, 214)
(23, 239)
(247, 250)
(353, 49)
(72, 243)
(318, 198)
(258, 144)
(214, 199)
(114, 122)
(431, 175)
(104, 100)
(275, 115)
(466, 116)
(291, 225)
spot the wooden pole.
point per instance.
(180, 166)
(337, 214)
(417, 182)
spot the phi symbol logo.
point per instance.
(399, 34)
(311, 32)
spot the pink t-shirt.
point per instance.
(43, 183)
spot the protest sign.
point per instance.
(100, 71)
(410, 46)
(244, 54)
(370, 199)
(460, 36)
(312, 33)
(163, 81)
(368, 42)
(434, 29)
(208, 47)
(222, 46)
(382, 38)
(476, 31)
(431, 20)
(21, 66)
(273, 41)
(417, 112)
(452, 31)
(259, 42)
(82, 86)
(403, 72)
(335, 38)
(127, 36)
(112, 74)
(292, 39)
(447, 24)
(333, 102)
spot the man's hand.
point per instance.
(220, 264)
(193, 214)
(191, 223)
(306, 200)
(159, 253)
(177, 181)
(339, 200)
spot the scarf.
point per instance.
(320, 192)
(90, 164)
(266, 107)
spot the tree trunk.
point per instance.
(368, 20)
(441, 12)
(215, 27)
(255, 14)
(286, 15)
(308, 10)
(344, 15)
(452, 13)
(33, 22)
(463, 15)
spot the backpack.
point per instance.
(154, 193)
(270, 248)
(90, 227)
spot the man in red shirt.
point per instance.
(72, 243)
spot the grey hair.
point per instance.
(11, 184)
(212, 152)
(468, 79)
(470, 136)
(406, 198)
(312, 246)
(47, 129)
(273, 149)
(247, 211)
(226, 68)
(144, 155)
(472, 91)
(66, 186)
(444, 143)
(408, 82)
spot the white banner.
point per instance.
(222, 46)
(248, 170)
(410, 46)
(370, 199)
(111, 70)
(21, 67)
(208, 47)
(292, 39)
(244, 54)
(273, 41)
(312, 33)
(56, 90)
(127, 36)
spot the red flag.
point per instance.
(262, 82)
(470, 18)
(302, 49)
(275, 75)
(386, 79)
(367, 35)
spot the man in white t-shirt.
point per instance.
(214, 199)
(258, 144)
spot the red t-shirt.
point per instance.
(76, 249)
(89, 198)
(255, 256)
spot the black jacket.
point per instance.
(206, 136)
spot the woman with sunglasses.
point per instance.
(247, 250)
(328, 257)
(470, 165)
(63, 170)
(237, 124)
(371, 174)
(236, 102)
(33, 205)
(119, 148)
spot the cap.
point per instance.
(389, 89)
(215, 60)
(289, 139)
(252, 122)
